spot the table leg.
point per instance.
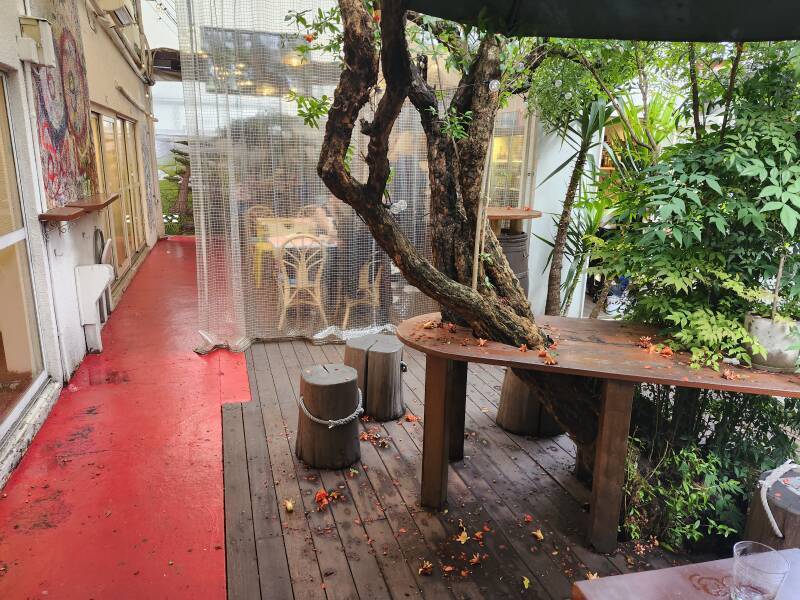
(609, 463)
(442, 379)
(457, 407)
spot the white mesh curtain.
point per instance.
(278, 255)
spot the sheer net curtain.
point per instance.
(278, 255)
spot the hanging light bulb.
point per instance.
(494, 85)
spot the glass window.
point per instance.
(20, 352)
(20, 349)
(10, 211)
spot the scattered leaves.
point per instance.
(430, 325)
(411, 418)
(591, 576)
(481, 342)
(322, 499)
(475, 560)
(528, 518)
(288, 504)
(426, 568)
(523, 347)
(463, 537)
(447, 569)
(538, 534)
(526, 583)
(549, 359)
(666, 351)
(728, 374)
(645, 342)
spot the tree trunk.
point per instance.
(553, 304)
(181, 206)
(498, 310)
(600, 305)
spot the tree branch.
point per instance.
(729, 91)
(698, 127)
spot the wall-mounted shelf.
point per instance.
(61, 213)
(75, 210)
(94, 202)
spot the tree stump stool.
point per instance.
(785, 506)
(519, 413)
(378, 361)
(327, 425)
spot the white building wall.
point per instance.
(549, 152)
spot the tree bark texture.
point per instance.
(553, 303)
(498, 309)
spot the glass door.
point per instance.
(118, 166)
(113, 183)
(21, 365)
(134, 186)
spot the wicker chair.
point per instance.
(368, 292)
(302, 263)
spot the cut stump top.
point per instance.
(595, 348)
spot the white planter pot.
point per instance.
(777, 337)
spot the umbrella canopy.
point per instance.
(668, 20)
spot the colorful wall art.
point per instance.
(63, 107)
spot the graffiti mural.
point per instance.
(63, 107)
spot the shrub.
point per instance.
(695, 458)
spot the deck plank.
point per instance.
(372, 544)
(300, 551)
(273, 566)
(240, 545)
(336, 575)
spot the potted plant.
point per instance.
(778, 333)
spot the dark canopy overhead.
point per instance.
(669, 20)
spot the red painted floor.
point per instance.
(120, 495)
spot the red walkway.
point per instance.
(120, 495)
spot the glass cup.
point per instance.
(758, 571)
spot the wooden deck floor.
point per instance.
(373, 542)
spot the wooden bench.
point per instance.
(708, 580)
(606, 350)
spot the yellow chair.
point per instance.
(257, 238)
(302, 264)
(369, 290)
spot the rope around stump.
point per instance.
(771, 479)
(331, 423)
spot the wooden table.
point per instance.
(708, 580)
(497, 214)
(606, 350)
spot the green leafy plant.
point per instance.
(677, 500)
(309, 108)
(695, 458)
(699, 231)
